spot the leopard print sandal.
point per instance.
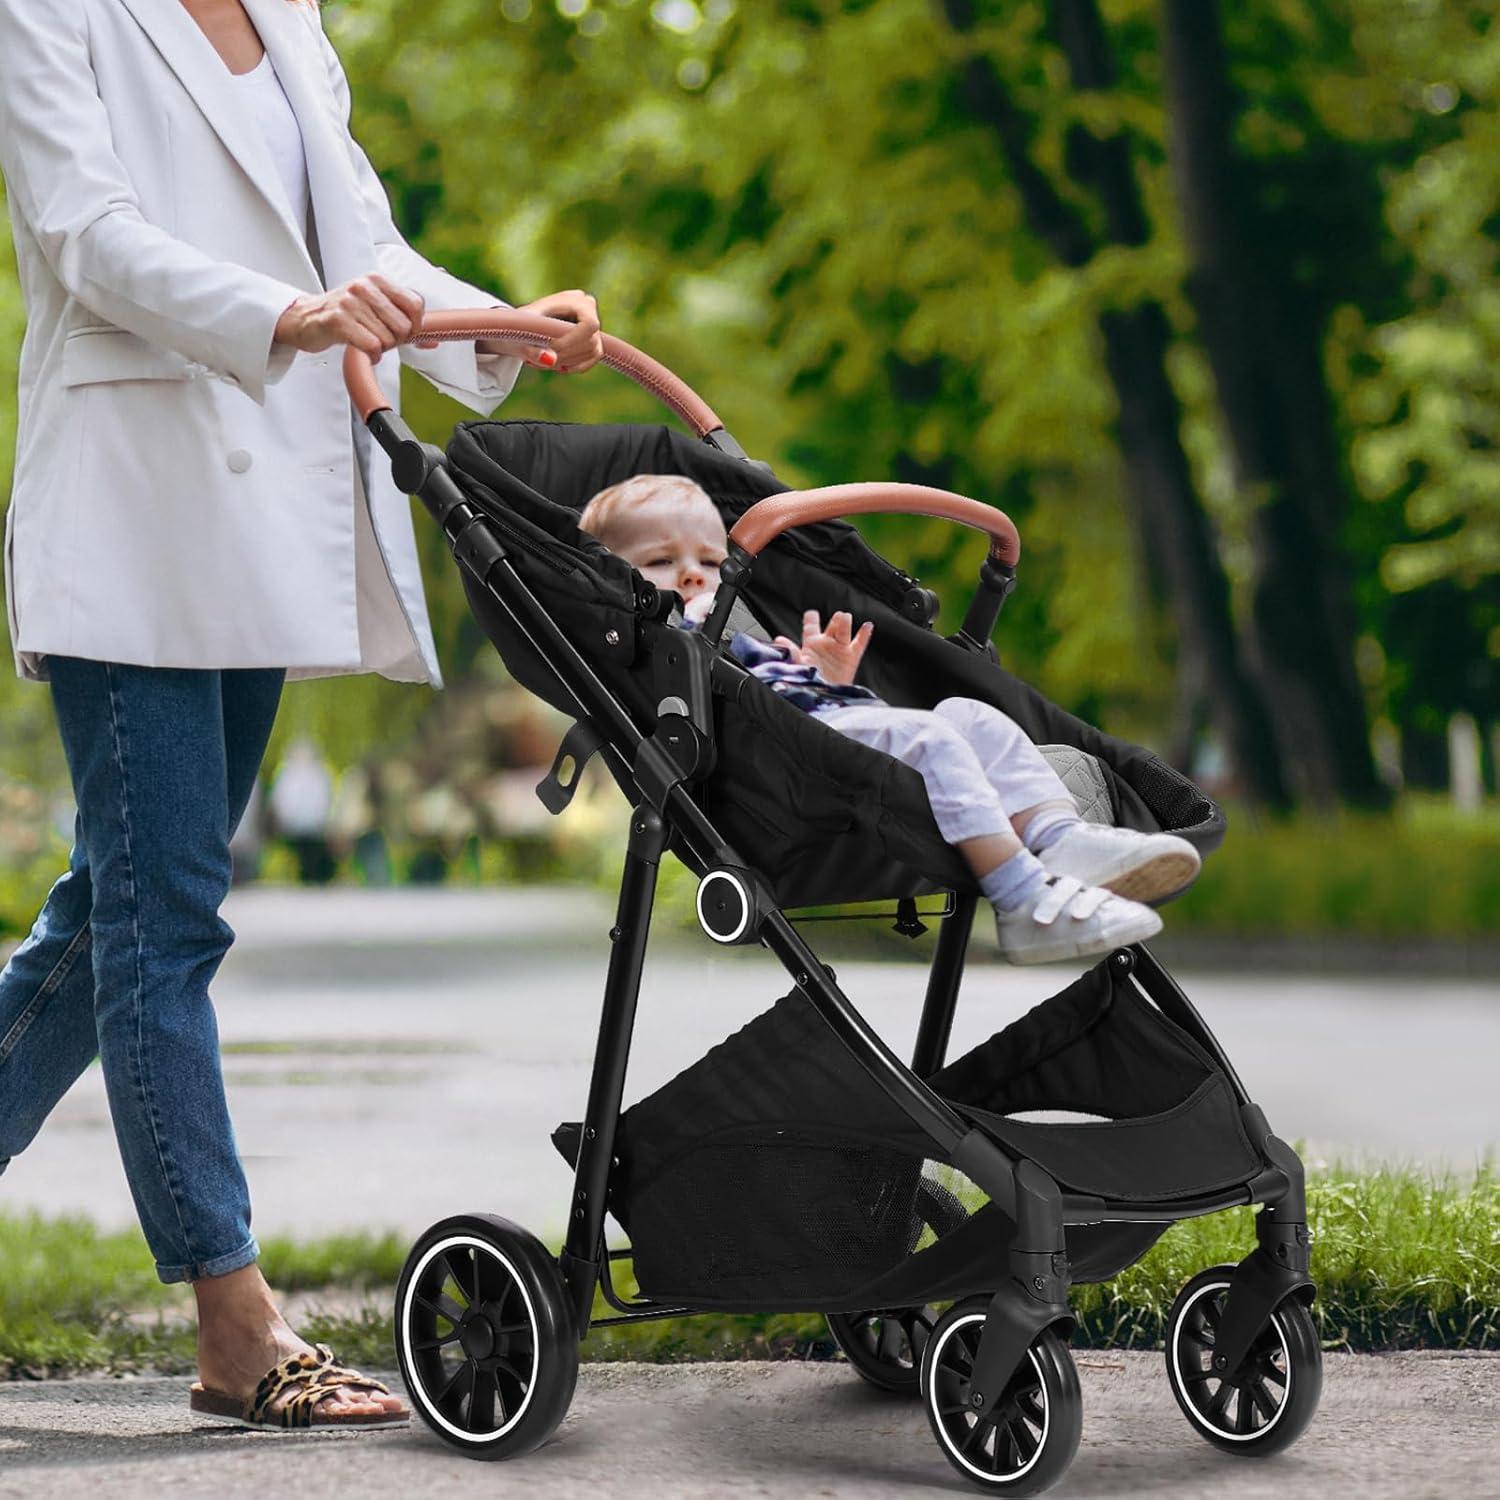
(311, 1378)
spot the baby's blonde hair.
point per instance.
(603, 511)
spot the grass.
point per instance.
(1404, 1259)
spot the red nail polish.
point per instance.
(547, 358)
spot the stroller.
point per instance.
(801, 1164)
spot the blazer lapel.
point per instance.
(344, 243)
(201, 71)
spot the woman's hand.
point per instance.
(370, 312)
(835, 652)
(575, 352)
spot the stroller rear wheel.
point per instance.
(1265, 1404)
(484, 1336)
(1031, 1435)
(885, 1348)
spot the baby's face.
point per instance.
(674, 542)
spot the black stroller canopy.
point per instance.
(786, 785)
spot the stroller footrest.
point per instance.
(1195, 1148)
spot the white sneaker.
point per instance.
(1068, 919)
(1142, 866)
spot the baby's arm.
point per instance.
(835, 652)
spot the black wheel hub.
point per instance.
(476, 1334)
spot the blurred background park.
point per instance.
(1204, 296)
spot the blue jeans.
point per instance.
(119, 962)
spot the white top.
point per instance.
(283, 135)
(384, 641)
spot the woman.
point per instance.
(196, 517)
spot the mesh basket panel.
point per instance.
(811, 1217)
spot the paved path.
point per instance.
(448, 1031)
(1391, 1427)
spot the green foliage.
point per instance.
(1419, 872)
(355, 1261)
(793, 206)
(64, 1291)
(845, 283)
(1403, 1259)
(32, 855)
(1423, 395)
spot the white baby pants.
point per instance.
(977, 763)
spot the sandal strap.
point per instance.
(313, 1376)
(345, 1375)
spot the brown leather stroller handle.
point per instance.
(767, 519)
(516, 327)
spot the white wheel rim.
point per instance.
(480, 1247)
(987, 1476)
(1179, 1375)
(744, 922)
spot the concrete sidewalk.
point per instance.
(1391, 1427)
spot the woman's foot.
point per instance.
(1067, 919)
(1140, 866)
(242, 1335)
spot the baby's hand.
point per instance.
(835, 652)
(698, 607)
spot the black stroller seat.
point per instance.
(936, 1212)
(833, 821)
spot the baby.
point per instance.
(1059, 886)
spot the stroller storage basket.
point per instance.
(776, 1173)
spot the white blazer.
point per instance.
(185, 495)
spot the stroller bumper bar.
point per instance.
(766, 520)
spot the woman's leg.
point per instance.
(241, 1332)
(162, 763)
(47, 1034)
(147, 751)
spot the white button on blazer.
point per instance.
(185, 495)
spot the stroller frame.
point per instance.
(658, 772)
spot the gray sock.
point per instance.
(1049, 825)
(1018, 879)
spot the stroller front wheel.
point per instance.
(484, 1336)
(1031, 1436)
(1264, 1405)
